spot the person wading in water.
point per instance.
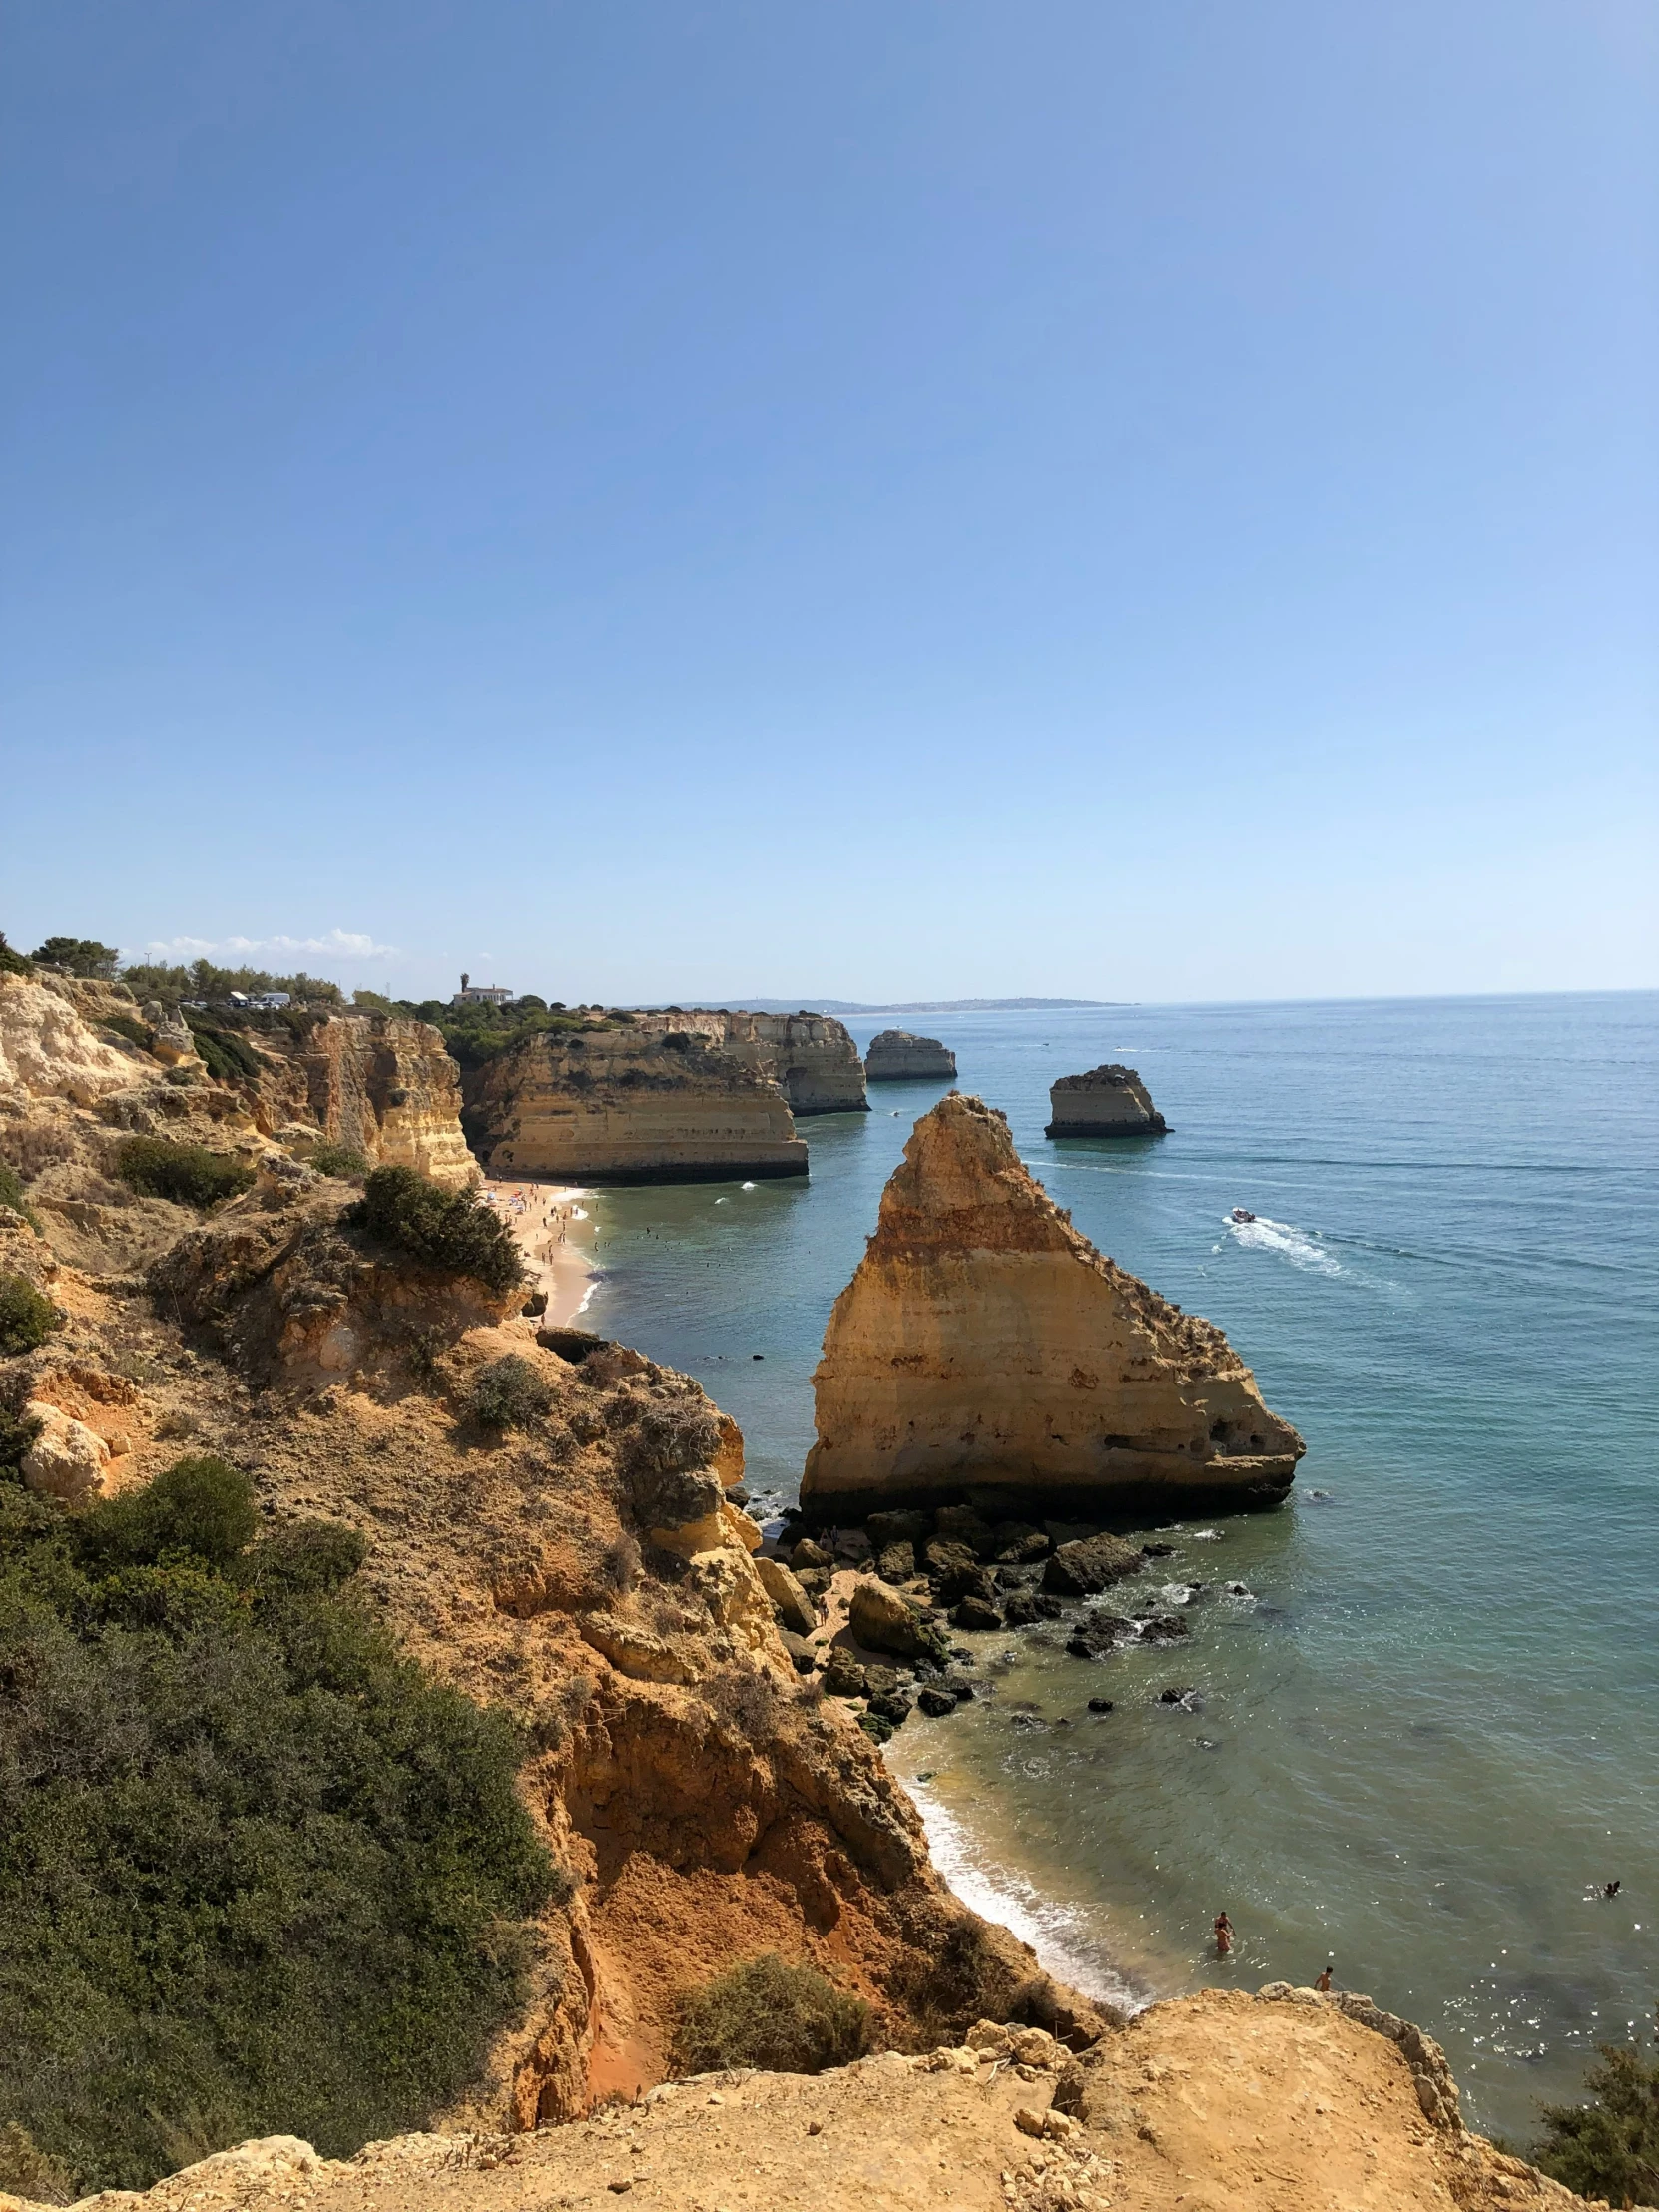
(1223, 1936)
(1323, 1982)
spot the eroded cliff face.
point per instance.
(587, 1570)
(899, 1056)
(384, 1086)
(810, 1057)
(985, 1350)
(1109, 1101)
(50, 1050)
(645, 1104)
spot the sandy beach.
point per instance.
(554, 1230)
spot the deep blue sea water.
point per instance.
(1434, 1727)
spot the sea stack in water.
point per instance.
(985, 1350)
(896, 1056)
(1109, 1101)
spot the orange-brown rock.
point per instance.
(1109, 1101)
(810, 1057)
(637, 1104)
(984, 1349)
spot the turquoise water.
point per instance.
(1434, 1723)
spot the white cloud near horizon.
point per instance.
(345, 944)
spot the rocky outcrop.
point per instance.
(896, 1056)
(48, 1049)
(811, 1058)
(1217, 2099)
(985, 1350)
(641, 1104)
(1110, 1101)
(379, 1084)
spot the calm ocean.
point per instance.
(1431, 1730)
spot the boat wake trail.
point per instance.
(1300, 1247)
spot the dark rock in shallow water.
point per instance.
(936, 1701)
(1021, 1609)
(959, 1686)
(1090, 1565)
(1157, 1551)
(1048, 1608)
(975, 1613)
(892, 1706)
(1017, 1543)
(1163, 1628)
(1100, 1705)
(1187, 1696)
(843, 1676)
(874, 1725)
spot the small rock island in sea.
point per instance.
(985, 1350)
(896, 1056)
(1109, 1101)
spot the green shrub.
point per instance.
(200, 1508)
(130, 1027)
(11, 1195)
(26, 1318)
(342, 1160)
(13, 962)
(26, 2171)
(508, 1393)
(226, 1058)
(1608, 2147)
(17, 1433)
(261, 1874)
(784, 2019)
(443, 1229)
(79, 957)
(189, 1174)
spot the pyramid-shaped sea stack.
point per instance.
(985, 1350)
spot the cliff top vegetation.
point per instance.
(262, 1874)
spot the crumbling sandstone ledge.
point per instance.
(1221, 2103)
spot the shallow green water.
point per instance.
(1436, 1721)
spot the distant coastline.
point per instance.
(913, 1005)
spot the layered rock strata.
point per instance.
(985, 1350)
(382, 1086)
(1110, 1101)
(896, 1056)
(636, 1105)
(811, 1058)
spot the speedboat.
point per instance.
(1243, 1213)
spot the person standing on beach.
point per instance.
(1223, 1936)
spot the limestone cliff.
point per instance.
(810, 1057)
(642, 1104)
(382, 1085)
(896, 1056)
(984, 1349)
(1110, 1101)
(49, 1051)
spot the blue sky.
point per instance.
(655, 501)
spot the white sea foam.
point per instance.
(999, 1893)
(1299, 1246)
